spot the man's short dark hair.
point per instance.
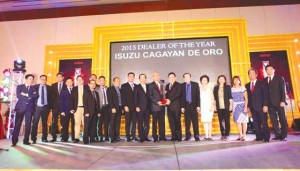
(204, 76)
(141, 75)
(92, 80)
(268, 66)
(68, 78)
(172, 73)
(186, 74)
(93, 75)
(79, 76)
(129, 73)
(252, 69)
(29, 75)
(60, 73)
(101, 77)
(115, 78)
(43, 76)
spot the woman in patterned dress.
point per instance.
(240, 103)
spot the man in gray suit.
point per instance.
(104, 112)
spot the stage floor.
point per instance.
(154, 156)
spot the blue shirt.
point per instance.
(39, 102)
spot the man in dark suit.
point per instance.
(258, 104)
(156, 94)
(103, 120)
(173, 96)
(190, 105)
(114, 98)
(277, 101)
(127, 90)
(42, 109)
(91, 109)
(142, 108)
(55, 90)
(65, 111)
(77, 105)
(27, 95)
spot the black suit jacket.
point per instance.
(112, 98)
(55, 96)
(49, 95)
(276, 90)
(174, 95)
(74, 97)
(227, 96)
(259, 97)
(155, 96)
(128, 96)
(25, 103)
(65, 101)
(90, 106)
(195, 94)
(141, 97)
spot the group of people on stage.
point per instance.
(99, 108)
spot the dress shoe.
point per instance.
(111, 141)
(179, 139)
(136, 139)
(63, 140)
(45, 141)
(106, 139)
(173, 139)
(147, 139)
(163, 139)
(155, 140)
(266, 140)
(257, 139)
(13, 145)
(141, 141)
(283, 139)
(92, 140)
(33, 142)
(209, 139)
(53, 140)
(76, 141)
(27, 143)
(276, 138)
(187, 138)
(128, 140)
(197, 139)
(205, 139)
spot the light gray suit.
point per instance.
(104, 111)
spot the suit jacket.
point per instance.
(141, 97)
(65, 101)
(276, 90)
(128, 96)
(155, 96)
(112, 97)
(25, 103)
(90, 106)
(74, 97)
(227, 96)
(55, 96)
(49, 94)
(195, 94)
(101, 95)
(259, 97)
(174, 95)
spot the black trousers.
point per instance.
(18, 123)
(65, 120)
(191, 116)
(260, 122)
(224, 121)
(114, 124)
(88, 130)
(40, 113)
(130, 123)
(174, 117)
(54, 125)
(143, 118)
(158, 117)
(277, 112)
(103, 122)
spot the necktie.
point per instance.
(104, 96)
(252, 87)
(132, 86)
(188, 93)
(94, 95)
(43, 96)
(157, 85)
(27, 88)
(70, 89)
(59, 87)
(170, 87)
(269, 80)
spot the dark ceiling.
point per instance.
(11, 10)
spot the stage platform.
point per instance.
(168, 155)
